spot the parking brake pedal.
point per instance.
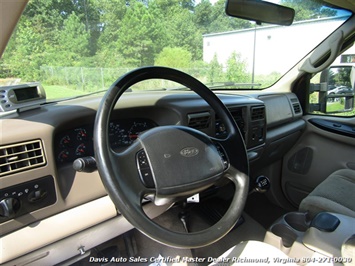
(262, 184)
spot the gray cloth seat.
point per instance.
(335, 194)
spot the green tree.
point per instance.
(175, 57)
(343, 77)
(26, 51)
(35, 38)
(203, 15)
(181, 31)
(236, 69)
(73, 42)
(166, 4)
(309, 9)
(89, 13)
(221, 22)
(140, 35)
(111, 15)
(215, 70)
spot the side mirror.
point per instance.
(260, 12)
(339, 94)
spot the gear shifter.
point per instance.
(261, 185)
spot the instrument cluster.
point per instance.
(78, 142)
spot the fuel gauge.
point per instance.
(64, 156)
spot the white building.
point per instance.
(270, 40)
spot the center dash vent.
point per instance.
(257, 113)
(199, 120)
(21, 156)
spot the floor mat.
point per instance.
(135, 246)
(248, 230)
(262, 210)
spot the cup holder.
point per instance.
(286, 233)
(297, 220)
(288, 229)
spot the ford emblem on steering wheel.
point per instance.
(189, 152)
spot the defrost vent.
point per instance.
(199, 120)
(21, 156)
(257, 113)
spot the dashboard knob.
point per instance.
(37, 195)
(9, 207)
(85, 164)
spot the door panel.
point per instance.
(326, 145)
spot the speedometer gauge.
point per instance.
(118, 135)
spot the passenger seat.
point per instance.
(335, 194)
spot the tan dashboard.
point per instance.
(38, 147)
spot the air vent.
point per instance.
(257, 113)
(238, 117)
(199, 120)
(296, 105)
(22, 156)
(297, 108)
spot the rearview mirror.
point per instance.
(260, 12)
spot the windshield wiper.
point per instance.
(177, 89)
(73, 97)
(222, 84)
(235, 85)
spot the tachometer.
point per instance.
(136, 129)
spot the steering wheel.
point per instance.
(169, 163)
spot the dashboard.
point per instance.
(38, 148)
(126, 124)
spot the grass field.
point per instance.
(333, 107)
(58, 92)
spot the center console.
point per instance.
(323, 239)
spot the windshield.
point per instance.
(79, 47)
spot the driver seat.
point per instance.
(253, 253)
